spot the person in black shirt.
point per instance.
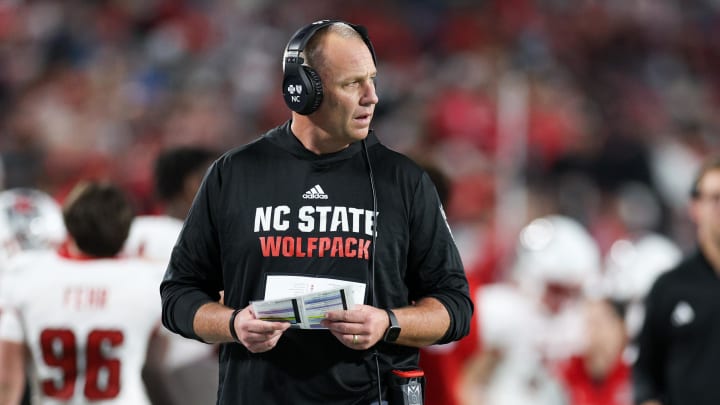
(318, 197)
(679, 344)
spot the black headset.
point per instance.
(301, 86)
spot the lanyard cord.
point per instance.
(372, 263)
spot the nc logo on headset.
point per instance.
(294, 90)
(302, 87)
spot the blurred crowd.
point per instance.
(595, 107)
(601, 111)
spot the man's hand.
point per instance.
(256, 335)
(357, 328)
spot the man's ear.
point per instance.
(692, 210)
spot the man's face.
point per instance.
(705, 208)
(349, 96)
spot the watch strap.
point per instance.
(393, 330)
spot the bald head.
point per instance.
(314, 51)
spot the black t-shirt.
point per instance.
(679, 345)
(274, 208)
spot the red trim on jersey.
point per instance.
(64, 251)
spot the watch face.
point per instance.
(392, 334)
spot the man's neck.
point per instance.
(313, 138)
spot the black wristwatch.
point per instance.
(393, 331)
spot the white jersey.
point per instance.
(513, 324)
(191, 367)
(87, 323)
(152, 237)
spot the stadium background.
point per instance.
(600, 110)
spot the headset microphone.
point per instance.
(301, 86)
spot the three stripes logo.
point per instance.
(315, 193)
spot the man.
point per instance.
(318, 197)
(84, 315)
(190, 370)
(679, 356)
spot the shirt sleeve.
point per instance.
(193, 276)
(440, 273)
(647, 369)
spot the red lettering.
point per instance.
(337, 247)
(84, 298)
(270, 246)
(311, 246)
(324, 246)
(363, 249)
(350, 247)
(288, 246)
(98, 298)
(298, 248)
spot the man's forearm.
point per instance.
(422, 324)
(211, 323)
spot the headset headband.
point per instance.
(302, 36)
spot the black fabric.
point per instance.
(225, 246)
(679, 357)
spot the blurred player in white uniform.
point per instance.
(190, 372)
(30, 219)
(85, 317)
(533, 320)
(631, 267)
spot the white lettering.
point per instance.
(314, 196)
(323, 211)
(262, 218)
(370, 222)
(316, 219)
(356, 213)
(339, 220)
(280, 224)
(307, 222)
(267, 218)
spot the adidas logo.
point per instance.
(315, 193)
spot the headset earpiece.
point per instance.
(302, 91)
(301, 87)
